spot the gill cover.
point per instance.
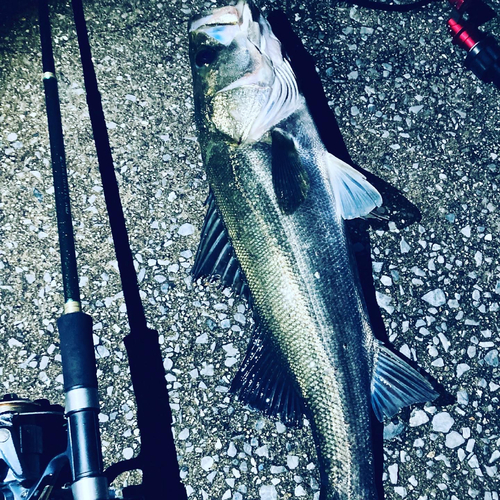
(243, 85)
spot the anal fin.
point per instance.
(395, 384)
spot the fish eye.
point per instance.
(205, 56)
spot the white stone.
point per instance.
(492, 358)
(184, 434)
(454, 439)
(392, 430)
(230, 350)
(435, 297)
(405, 248)
(393, 473)
(462, 398)
(292, 461)
(202, 339)
(207, 370)
(462, 368)
(473, 462)
(102, 351)
(207, 463)
(277, 469)
(186, 229)
(478, 257)
(386, 280)
(444, 341)
(262, 451)
(494, 456)
(418, 417)
(401, 491)
(268, 492)
(280, 428)
(384, 302)
(231, 451)
(416, 109)
(470, 445)
(442, 422)
(300, 491)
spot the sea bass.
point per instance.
(274, 231)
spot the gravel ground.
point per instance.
(409, 112)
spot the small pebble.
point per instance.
(207, 463)
(268, 492)
(491, 358)
(462, 368)
(184, 434)
(442, 422)
(186, 229)
(418, 417)
(405, 248)
(392, 430)
(393, 473)
(231, 451)
(454, 439)
(435, 297)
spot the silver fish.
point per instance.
(274, 231)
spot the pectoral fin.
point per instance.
(263, 382)
(354, 195)
(395, 384)
(290, 180)
(215, 257)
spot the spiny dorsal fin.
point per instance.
(354, 195)
(395, 384)
(290, 180)
(264, 383)
(215, 257)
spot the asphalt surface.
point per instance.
(409, 112)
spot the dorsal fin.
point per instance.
(290, 180)
(215, 257)
(354, 195)
(264, 383)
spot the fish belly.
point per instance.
(304, 292)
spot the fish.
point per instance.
(275, 233)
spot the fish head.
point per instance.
(233, 53)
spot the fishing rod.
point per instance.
(75, 327)
(157, 458)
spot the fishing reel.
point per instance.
(32, 434)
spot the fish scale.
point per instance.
(299, 309)
(276, 212)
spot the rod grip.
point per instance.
(77, 350)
